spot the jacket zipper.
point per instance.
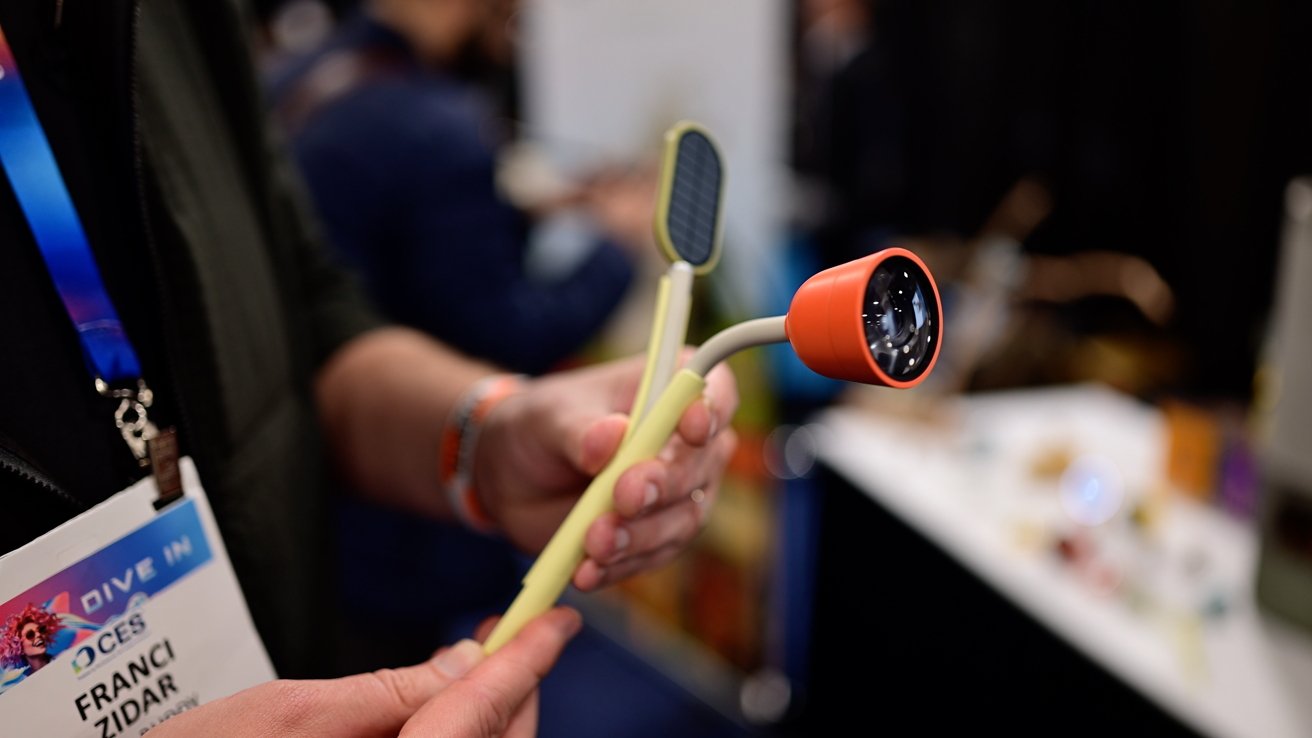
(15, 466)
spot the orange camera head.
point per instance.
(875, 320)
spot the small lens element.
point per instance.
(901, 318)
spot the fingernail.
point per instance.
(573, 625)
(457, 660)
(710, 411)
(622, 539)
(649, 495)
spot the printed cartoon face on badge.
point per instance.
(26, 637)
(34, 640)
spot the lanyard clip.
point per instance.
(130, 417)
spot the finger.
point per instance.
(697, 468)
(593, 433)
(597, 443)
(591, 576)
(704, 419)
(582, 435)
(607, 538)
(635, 566)
(378, 703)
(484, 702)
(612, 539)
(405, 690)
(525, 722)
(640, 488)
(721, 383)
(650, 485)
(484, 628)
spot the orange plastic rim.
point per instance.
(825, 328)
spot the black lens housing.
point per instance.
(901, 318)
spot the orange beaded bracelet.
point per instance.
(460, 438)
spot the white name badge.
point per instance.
(122, 618)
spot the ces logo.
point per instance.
(103, 645)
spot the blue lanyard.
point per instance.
(42, 195)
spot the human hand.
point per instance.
(623, 203)
(539, 449)
(459, 692)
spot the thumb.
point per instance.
(382, 701)
(365, 704)
(484, 629)
(598, 443)
(485, 701)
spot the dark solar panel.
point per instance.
(694, 199)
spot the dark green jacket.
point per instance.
(256, 308)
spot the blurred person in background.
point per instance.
(394, 122)
(398, 143)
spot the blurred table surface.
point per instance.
(970, 485)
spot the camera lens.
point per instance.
(901, 318)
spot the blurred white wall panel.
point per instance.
(605, 78)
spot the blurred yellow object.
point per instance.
(1149, 512)
(1189, 645)
(1050, 463)
(1031, 537)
